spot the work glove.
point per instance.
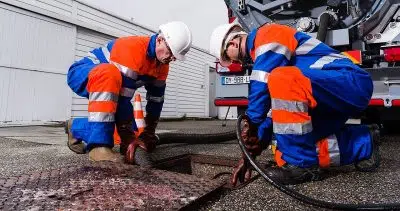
(131, 151)
(148, 136)
(125, 132)
(249, 136)
(147, 139)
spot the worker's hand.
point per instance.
(249, 136)
(149, 139)
(242, 172)
(147, 146)
(250, 140)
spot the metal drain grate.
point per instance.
(103, 186)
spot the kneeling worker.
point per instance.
(109, 76)
(312, 91)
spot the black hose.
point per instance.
(144, 159)
(190, 138)
(323, 26)
(301, 197)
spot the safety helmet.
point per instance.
(220, 37)
(178, 37)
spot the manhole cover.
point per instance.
(103, 186)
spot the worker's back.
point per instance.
(300, 49)
(132, 53)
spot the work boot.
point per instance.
(291, 175)
(126, 134)
(372, 163)
(73, 144)
(103, 154)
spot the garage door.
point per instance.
(34, 57)
(86, 41)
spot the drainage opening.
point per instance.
(207, 167)
(203, 166)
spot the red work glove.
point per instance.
(251, 142)
(146, 145)
(146, 140)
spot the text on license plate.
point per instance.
(226, 80)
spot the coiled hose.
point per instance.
(188, 138)
(302, 197)
(144, 159)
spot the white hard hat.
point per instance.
(219, 40)
(178, 37)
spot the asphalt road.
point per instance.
(28, 149)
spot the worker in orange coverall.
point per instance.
(311, 89)
(109, 77)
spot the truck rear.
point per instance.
(367, 32)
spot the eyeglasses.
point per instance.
(168, 48)
(228, 38)
(224, 55)
(172, 57)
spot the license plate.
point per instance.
(229, 80)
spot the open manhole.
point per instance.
(204, 166)
(109, 186)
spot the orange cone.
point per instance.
(138, 115)
(117, 139)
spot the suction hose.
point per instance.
(301, 197)
(144, 159)
(195, 138)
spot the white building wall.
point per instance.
(32, 69)
(63, 7)
(86, 40)
(42, 39)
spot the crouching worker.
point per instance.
(109, 77)
(312, 91)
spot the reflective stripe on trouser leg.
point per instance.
(351, 144)
(104, 84)
(328, 152)
(77, 79)
(291, 99)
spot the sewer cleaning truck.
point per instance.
(366, 31)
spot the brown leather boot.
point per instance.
(104, 154)
(126, 134)
(73, 144)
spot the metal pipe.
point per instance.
(323, 26)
